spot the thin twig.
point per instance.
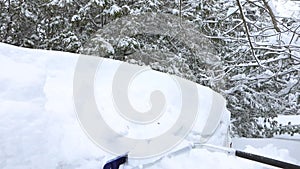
(239, 24)
(294, 35)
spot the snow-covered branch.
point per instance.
(247, 31)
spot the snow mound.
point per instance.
(39, 127)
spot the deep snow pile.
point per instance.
(39, 127)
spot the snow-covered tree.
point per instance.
(175, 48)
(260, 52)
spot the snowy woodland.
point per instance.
(254, 47)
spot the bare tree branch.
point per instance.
(180, 10)
(239, 24)
(247, 31)
(271, 15)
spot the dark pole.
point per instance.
(249, 156)
(266, 160)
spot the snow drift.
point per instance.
(39, 126)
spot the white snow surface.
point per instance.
(285, 8)
(39, 127)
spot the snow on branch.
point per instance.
(247, 31)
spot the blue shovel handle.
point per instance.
(116, 162)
